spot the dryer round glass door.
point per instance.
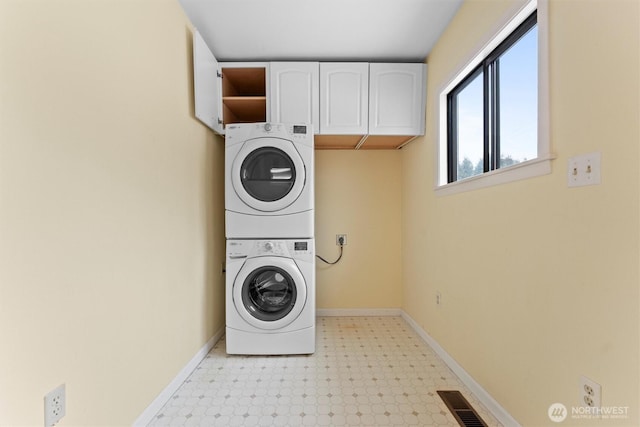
(269, 292)
(268, 174)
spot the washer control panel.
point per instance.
(270, 247)
(302, 248)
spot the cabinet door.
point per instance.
(344, 98)
(206, 84)
(294, 93)
(396, 99)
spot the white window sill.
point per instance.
(529, 169)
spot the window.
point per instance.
(493, 113)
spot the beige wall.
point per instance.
(539, 282)
(111, 208)
(358, 194)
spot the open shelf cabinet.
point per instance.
(244, 95)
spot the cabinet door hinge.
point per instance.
(219, 73)
(219, 121)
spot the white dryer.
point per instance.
(269, 181)
(270, 297)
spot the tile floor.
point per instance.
(367, 371)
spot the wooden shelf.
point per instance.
(243, 109)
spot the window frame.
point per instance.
(509, 31)
(452, 120)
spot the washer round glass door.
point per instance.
(269, 292)
(268, 174)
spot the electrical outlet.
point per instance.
(343, 237)
(590, 393)
(54, 406)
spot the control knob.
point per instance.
(268, 246)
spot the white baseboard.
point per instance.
(147, 416)
(485, 398)
(354, 312)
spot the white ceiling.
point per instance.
(321, 30)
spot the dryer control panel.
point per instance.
(299, 132)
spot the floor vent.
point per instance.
(461, 409)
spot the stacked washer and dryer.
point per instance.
(270, 263)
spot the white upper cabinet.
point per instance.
(397, 99)
(349, 104)
(294, 91)
(344, 98)
(207, 89)
(228, 92)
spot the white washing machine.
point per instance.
(269, 181)
(270, 297)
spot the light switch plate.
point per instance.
(584, 170)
